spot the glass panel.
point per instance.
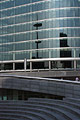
(36, 25)
(78, 64)
(62, 65)
(40, 65)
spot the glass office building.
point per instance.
(39, 34)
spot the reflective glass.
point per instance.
(39, 29)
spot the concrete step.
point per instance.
(41, 108)
(61, 102)
(42, 114)
(14, 116)
(71, 110)
(73, 100)
(22, 103)
(48, 109)
(8, 118)
(30, 115)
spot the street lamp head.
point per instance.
(37, 25)
(38, 41)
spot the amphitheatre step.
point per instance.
(44, 115)
(28, 115)
(61, 102)
(14, 116)
(68, 103)
(8, 118)
(58, 113)
(42, 109)
(71, 110)
(74, 100)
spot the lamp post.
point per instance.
(38, 41)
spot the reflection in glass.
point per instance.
(37, 29)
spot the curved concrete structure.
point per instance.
(16, 108)
(40, 109)
(59, 87)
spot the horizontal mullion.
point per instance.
(23, 5)
(40, 11)
(60, 18)
(8, 0)
(39, 40)
(60, 48)
(40, 30)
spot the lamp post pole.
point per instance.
(38, 41)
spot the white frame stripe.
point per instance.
(40, 30)
(40, 11)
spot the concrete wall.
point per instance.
(50, 86)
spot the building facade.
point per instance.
(39, 34)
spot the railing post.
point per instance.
(49, 65)
(13, 66)
(30, 66)
(75, 64)
(25, 64)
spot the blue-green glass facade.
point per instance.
(58, 36)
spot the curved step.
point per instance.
(63, 102)
(75, 113)
(30, 115)
(44, 107)
(42, 114)
(8, 118)
(14, 116)
(47, 109)
(74, 100)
